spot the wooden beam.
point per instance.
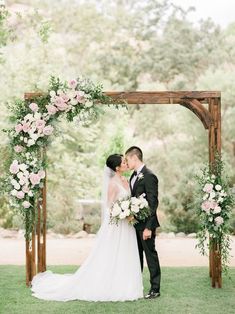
(143, 97)
(200, 111)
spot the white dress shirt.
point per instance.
(135, 177)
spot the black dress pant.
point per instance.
(148, 247)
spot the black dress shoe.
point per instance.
(152, 295)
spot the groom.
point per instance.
(142, 181)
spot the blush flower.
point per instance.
(14, 168)
(73, 83)
(18, 148)
(51, 109)
(33, 107)
(219, 220)
(208, 188)
(20, 194)
(26, 204)
(41, 174)
(34, 178)
(26, 127)
(40, 124)
(48, 130)
(18, 128)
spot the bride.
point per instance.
(112, 271)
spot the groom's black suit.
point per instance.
(148, 183)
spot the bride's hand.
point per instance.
(130, 218)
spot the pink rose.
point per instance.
(73, 83)
(206, 206)
(26, 127)
(208, 188)
(65, 97)
(33, 107)
(18, 148)
(20, 194)
(51, 109)
(26, 204)
(61, 104)
(48, 130)
(40, 124)
(18, 128)
(34, 178)
(42, 174)
(14, 167)
(25, 189)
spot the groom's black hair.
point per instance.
(135, 150)
(114, 161)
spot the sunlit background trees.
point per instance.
(126, 45)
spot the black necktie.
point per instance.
(135, 173)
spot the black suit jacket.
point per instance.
(148, 184)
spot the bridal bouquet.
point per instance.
(133, 209)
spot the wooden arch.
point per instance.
(206, 105)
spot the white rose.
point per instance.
(20, 175)
(125, 205)
(30, 193)
(23, 167)
(52, 93)
(116, 210)
(127, 212)
(144, 202)
(135, 209)
(219, 220)
(17, 186)
(13, 182)
(14, 192)
(218, 187)
(31, 142)
(134, 201)
(34, 136)
(217, 209)
(205, 197)
(37, 115)
(29, 117)
(73, 101)
(88, 104)
(122, 215)
(26, 204)
(212, 195)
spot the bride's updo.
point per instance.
(114, 161)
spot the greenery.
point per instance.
(214, 209)
(108, 42)
(193, 295)
(29, 138)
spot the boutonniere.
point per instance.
(140, 176)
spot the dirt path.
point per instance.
(172, 252)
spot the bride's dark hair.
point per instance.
(114, 161)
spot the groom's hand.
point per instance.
(147, 234)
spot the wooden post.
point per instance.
(34, 245)
(215, 147)
(41, 227)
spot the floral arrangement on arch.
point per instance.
(214, 210)
(34, 123)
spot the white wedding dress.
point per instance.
(110, 273)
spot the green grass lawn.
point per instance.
(184, 290)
